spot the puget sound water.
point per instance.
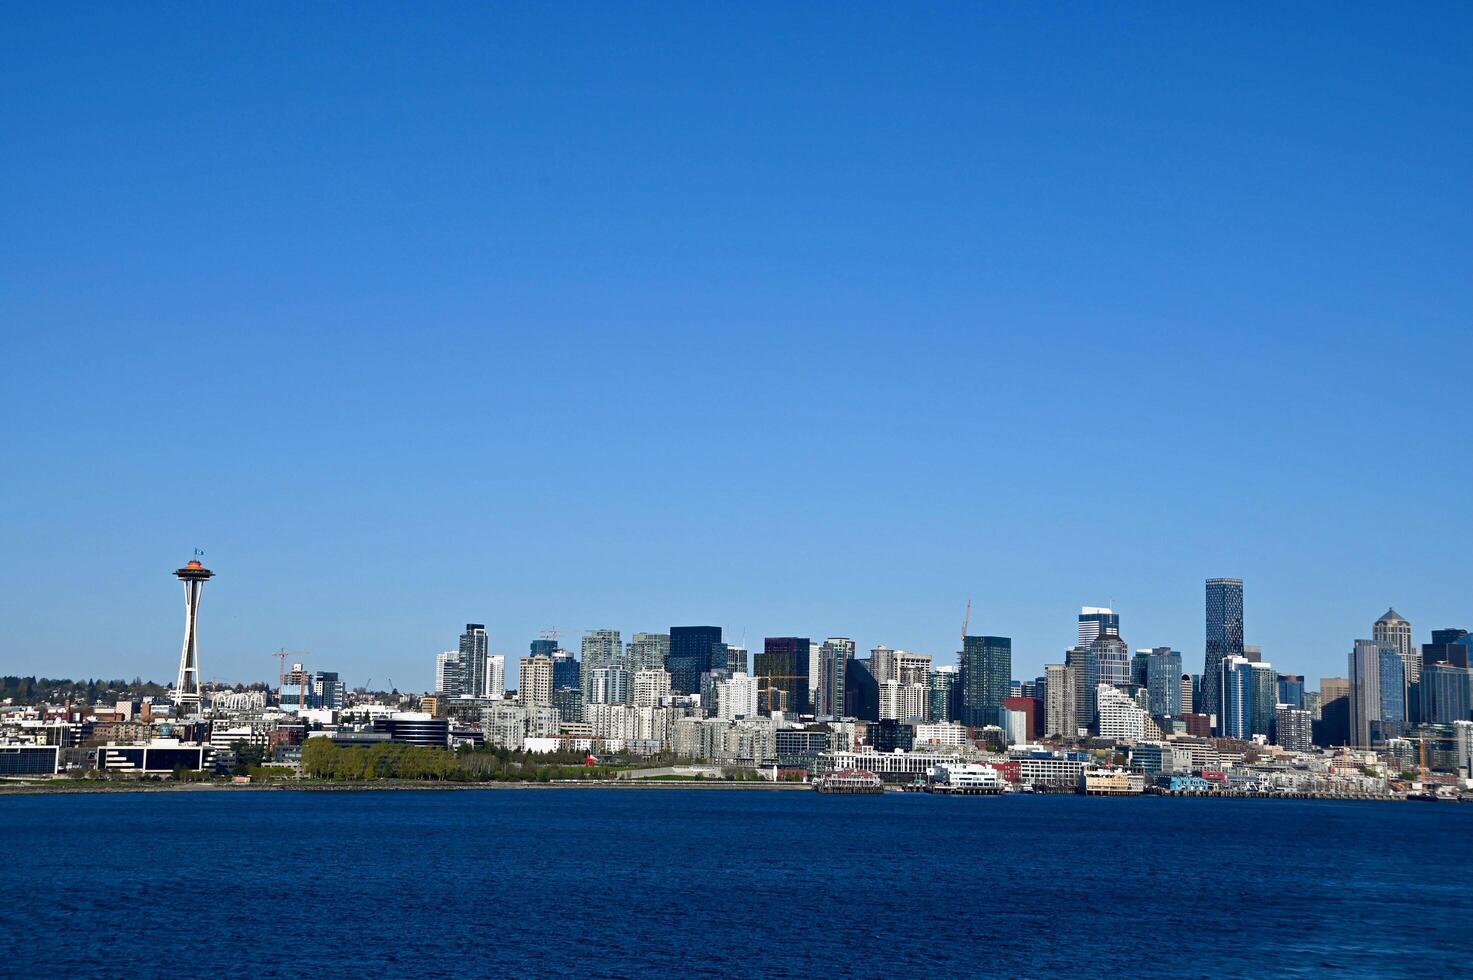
(689, 882)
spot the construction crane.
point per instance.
(280, 656)
(966, 622)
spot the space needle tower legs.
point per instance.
(186, 691)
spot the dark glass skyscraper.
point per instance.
(1224, 637)
(473, 652)
(693, 651)
(543, 648)
(781, 670)
(986, 677)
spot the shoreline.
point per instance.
(43, 789)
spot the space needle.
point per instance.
(186, 691)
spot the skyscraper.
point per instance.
(474, 648)
(1235, 687)
(495, 677)
(1061, 717)
(566, 671)
(1097, 621)
(782, 674)
(186, 689)
(833, 659)
(544, 647)
(1395, 634)
(1365, 691)
(943, 693)
(601, 648)
(649, 651)
(1393, 687)
(1446, 694)
(986, 678)
(694, 650)
(1163, 682)
(1224, 637)
(1113, 658)
(449, 676)
(534, 686)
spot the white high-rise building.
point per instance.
(650, 687)
(1120, 717)
(449, 677)
(736, 697)
(496, 677)
(904, 702)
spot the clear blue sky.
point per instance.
(796, 319)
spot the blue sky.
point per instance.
(797, 319)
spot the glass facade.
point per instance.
(1163, 682)
(986, 678)
(782, 672)
(1446, 694)
(1224, 637)
(694, 650)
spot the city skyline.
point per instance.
(1041, 310)
(476, 643)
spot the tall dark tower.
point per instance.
(186, 690)
(1224, 638)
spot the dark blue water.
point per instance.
(663, 882)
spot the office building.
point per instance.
(1365, 691)
(566, 671)
(1224, 637)
(861, 691)
(985, 679)
(545, 646)
(1393, 691)
(1162, 681)
(1448, 646)
(695, 650)
(1445, 694)
(1393, 633)
(1096, 621)
(833, 658)
(474, 648)
(1291, 690)
(1188, 688)
(1112, 658)
(782, 675)
(1085, 670)
(736, 658)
